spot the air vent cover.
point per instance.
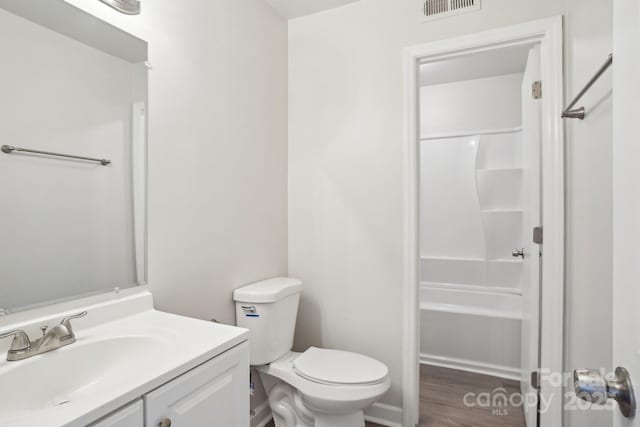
(436, 9)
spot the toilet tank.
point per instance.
(268, 309)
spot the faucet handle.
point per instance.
(66, 322)
(20, 341)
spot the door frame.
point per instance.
(548, 33)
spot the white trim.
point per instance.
(385, 415)
(464, 133)
(411, 312)
(499, 371)
(547, 33)
(261, 415)
(139, 181)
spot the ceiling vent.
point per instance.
(436, 9)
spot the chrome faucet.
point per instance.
(58, 336)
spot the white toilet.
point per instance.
(317, 388)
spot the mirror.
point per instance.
(74, 89)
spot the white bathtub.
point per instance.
(468, 326)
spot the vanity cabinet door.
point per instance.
(131, 415)
(214, 394)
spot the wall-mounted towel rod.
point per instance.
(10, 149)
(579, 113)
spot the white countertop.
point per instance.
(129, 356)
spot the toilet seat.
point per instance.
(336, 367)
(347, 393)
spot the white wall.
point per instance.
(471, 105)
(345, 167)
(218, 152)
(217, 148)
(68, 224)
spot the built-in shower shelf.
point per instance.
(507, 260)
(503, 211)
(473, 288)
(451, 258)
(500, 170)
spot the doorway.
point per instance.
(484, 188)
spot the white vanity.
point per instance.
(131, 366)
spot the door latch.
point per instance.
(537, 235)
(535, 380)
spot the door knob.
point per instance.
(165, 422)
(518, 253)
(591, 386)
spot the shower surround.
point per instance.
(471, 204)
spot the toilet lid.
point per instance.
(339, 367)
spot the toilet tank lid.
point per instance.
(266, 291)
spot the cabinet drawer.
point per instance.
(131, 415)
(215, 394)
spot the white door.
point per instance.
(215, 394)
(531, 146)
(626, 194)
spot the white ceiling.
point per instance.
(492, 63)
(296, 8)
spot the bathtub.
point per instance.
(470, 326)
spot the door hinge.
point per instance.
(535, 380)
(537, 235)
(536, 89)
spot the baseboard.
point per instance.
(379, 413)
(261, 415)
(385, 415)
(471, 366)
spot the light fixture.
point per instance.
(130, 7)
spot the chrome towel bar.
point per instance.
(10, 149)
(579, 113)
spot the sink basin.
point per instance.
(80, 371)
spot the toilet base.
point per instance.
(355, 419)
(289, 410)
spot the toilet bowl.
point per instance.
(316, 388)
(329, 387)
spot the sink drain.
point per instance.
(63, 402)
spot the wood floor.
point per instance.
(442, 402)
(271, 424)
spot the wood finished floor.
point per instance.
(442, 394)
(271, 424)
